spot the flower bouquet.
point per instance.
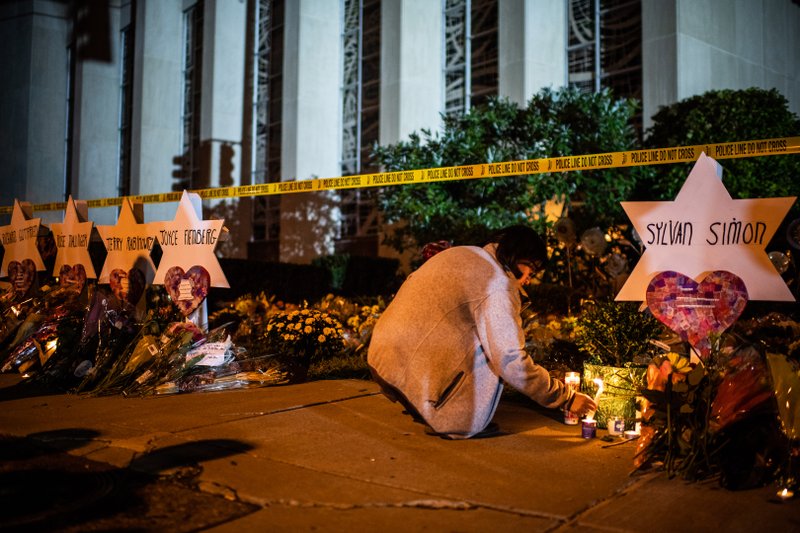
(109, 327)
(214, 363)
(360, 325)
(167, 360)
(714, 418)
(48, 330)
(247, 317)
(137, 358)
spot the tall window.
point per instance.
(470, 53)
(126, 105)
(456, 52)
(351, 87)
(191, 160)
(361, 30)
(583, 47)
(268, 26)
(483, 51)
(605, 46)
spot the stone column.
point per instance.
(659, 57)
(311, 125)
(33, 103)
(95, 164)
(532, 40)
(412, 65)
(156, 122)
(224, 31)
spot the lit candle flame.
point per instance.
(599, 383)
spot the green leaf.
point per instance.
(695, 376)
(680, 387)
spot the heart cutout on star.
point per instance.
(72, 277)
(697, 310)
(127, 286)
(21, 275)
(187, 289)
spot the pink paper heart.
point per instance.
(697, 310)
(127, 285)
(72, 277)
(187, 289)
(21, 275)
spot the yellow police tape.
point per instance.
(632, 158)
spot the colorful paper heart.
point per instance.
(73, 277)
(21, 275)
(697, 310)
(127, 285)
(187, 289)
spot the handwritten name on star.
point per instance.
(20, 234)
(200, 237)
(719, 233)
(69, 240)
(129, 244)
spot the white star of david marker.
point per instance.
(19, 240)
(128, 244)
(188, 241)
(72, 241)
(704, 230)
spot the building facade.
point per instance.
(107, 98)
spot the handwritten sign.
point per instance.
(128, 244)
(72, 241)
(705, 230)
(188, 241)
(19, 240)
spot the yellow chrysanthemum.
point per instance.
(308, 329)
(679, 363)
(321, 338)
(309, 320)
(554, 325)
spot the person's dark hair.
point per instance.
(516, 244)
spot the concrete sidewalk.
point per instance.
(338, 456)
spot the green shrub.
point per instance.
(554, 123)
(726, 116)
(617, 334)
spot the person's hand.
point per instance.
(582, 405)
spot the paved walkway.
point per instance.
(338, 456)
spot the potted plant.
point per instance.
(301, 336)
(616, 337)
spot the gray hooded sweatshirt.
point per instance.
(450, 338)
